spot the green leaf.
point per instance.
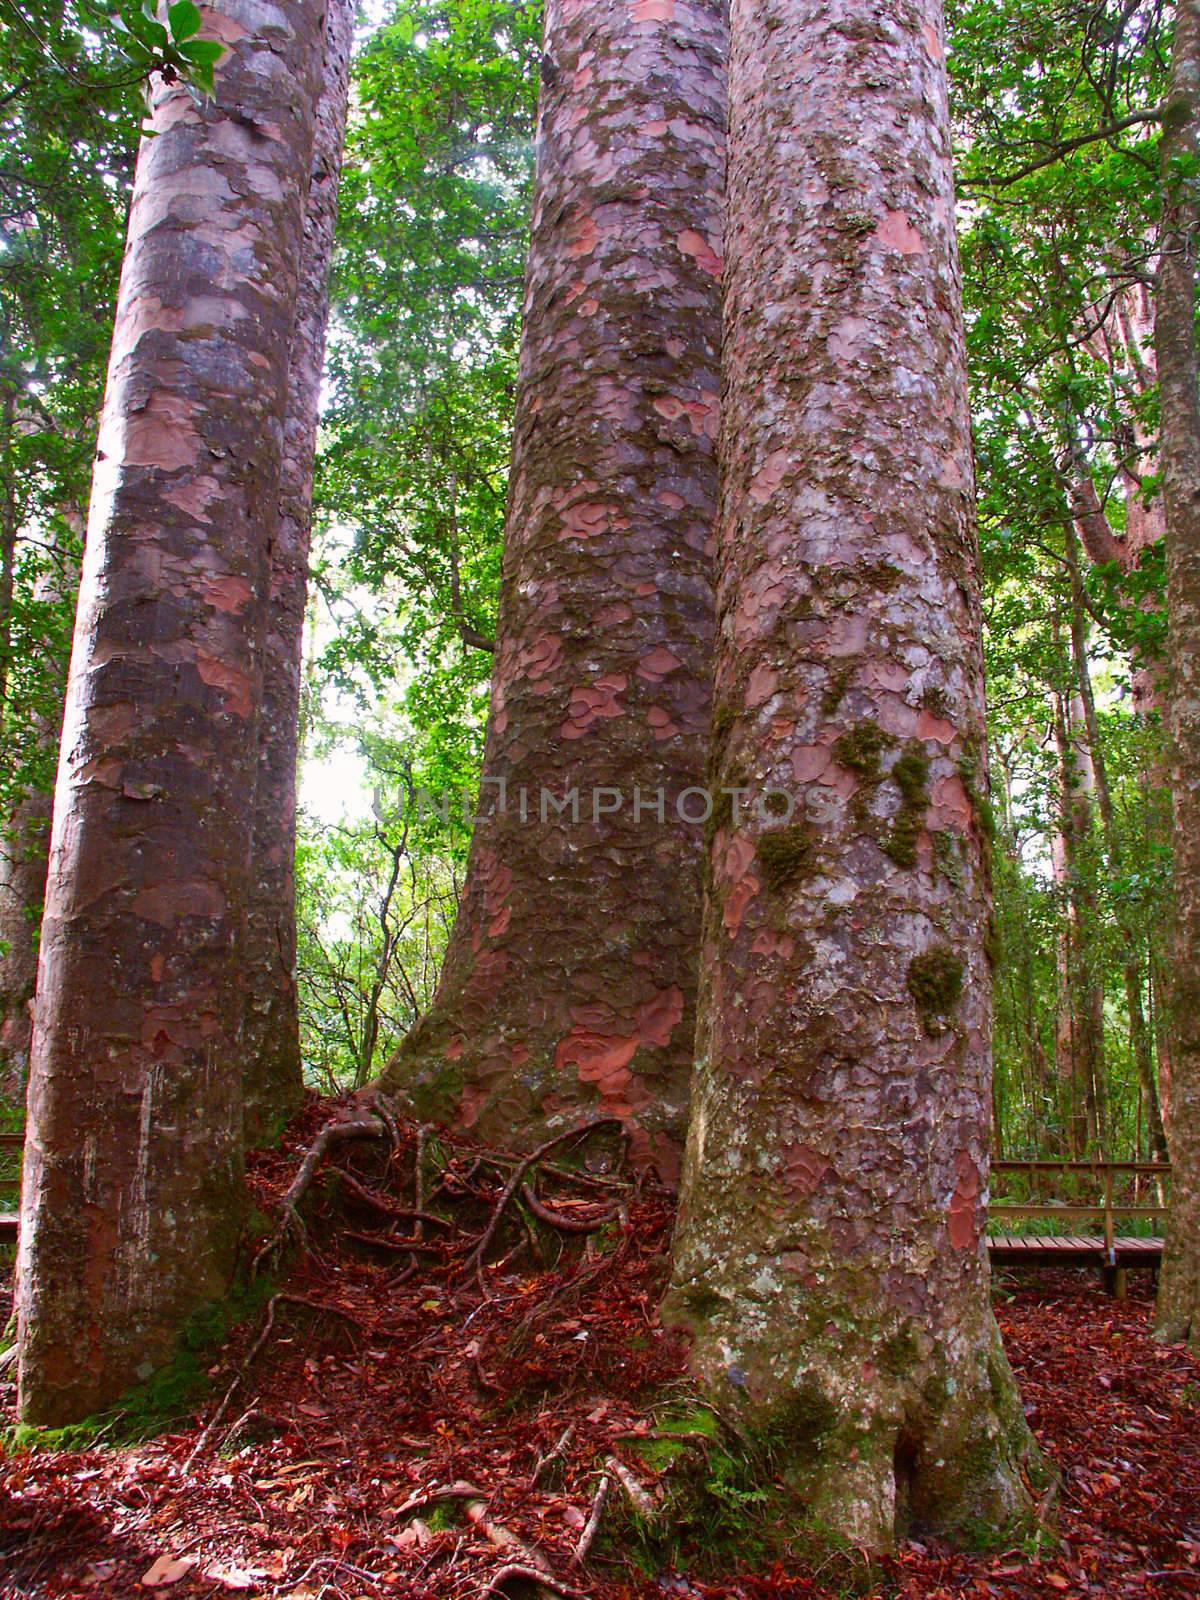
(150, 32)
(203, 54)
(184, 18)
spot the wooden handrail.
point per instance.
(1019, 1208)
(1105, 1210)
(1042, 1165)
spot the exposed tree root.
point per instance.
(634, 1491)
(525, 1165)
(557, 1219)
(515, 1570)
(337, 1131)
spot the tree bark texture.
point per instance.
(830, 1258)
(131, 1201)
(274, 1082)
(1179, 391)
(568, 987)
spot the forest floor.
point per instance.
(390, 1420)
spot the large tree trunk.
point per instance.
(1179, 383)
(569, 982)
(830, 1259)
(132, 1189)
(274, 1083)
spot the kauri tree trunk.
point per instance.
(274, 1083)
(1179, 445)
(568, 987)
(131, 1201)
(830, 1259)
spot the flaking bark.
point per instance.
(830, 1259)
(131, 1201)
(568, 987)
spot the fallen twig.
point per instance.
(588, 1537)
(214, 1421)
(638, 1498)
(557, 1454)
(240, 1376)
(430, 1497)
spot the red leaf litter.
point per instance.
(398, 1424)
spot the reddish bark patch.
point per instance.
(697, 246)
(169, 903)
(234, 684)
(896, 232)
(963, 1218)
(590, 702)
(802, 1168)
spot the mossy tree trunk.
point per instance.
(830, 1258)
(132, 1192)
(1179, 387)
(568, 987)
(274, 1083)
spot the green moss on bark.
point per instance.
(860, 747)
(935, 981)
(786, 856)
(911, 776)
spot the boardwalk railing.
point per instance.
(1113, 1252)
(11, 1145)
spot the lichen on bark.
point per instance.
(829, 1260)
(568, 986)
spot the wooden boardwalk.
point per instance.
(1072, 1250)
(1113, 1253)
(8, 1219)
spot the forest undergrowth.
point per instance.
(449, 1380)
